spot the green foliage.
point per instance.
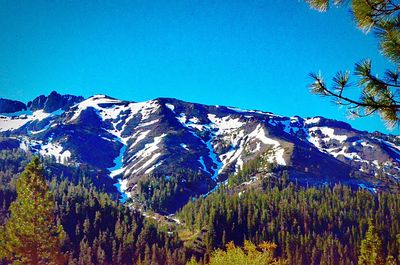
(371, 248)
(192, 261)
(319, 225)
(322, 225)
(31, 235)
(250, 254)
(250, 168)
(377, 94)
(102, 231)
(99, 230)
(166, 193)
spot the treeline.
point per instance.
(251, 168)
(309, 225)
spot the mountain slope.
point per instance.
(166, 138)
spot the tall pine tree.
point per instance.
(31, 235)
(371, 248)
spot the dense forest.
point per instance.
(255, 217)
(309, 225)
(99, 230)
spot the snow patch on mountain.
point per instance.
(112, 110)
(224, 127)
(392, 146)
(314, 136)
(184, 146)
(147, 123)
(192, 123)
(363, 143)
(15, 121)
(260, 134)
(57, 151)
(28, 144)
(122, 186)
(146, 156)
(42, 130)
(106, 113)
(154, 166)
(238, 110)
(214, 157)
(344, 152)
(330, 133)
(138, 137)
(235, 151)
(170, 106)
(10, 124)
(118, 168)
(225, 124)
(365, 187)
(311, 121)
(201, 160)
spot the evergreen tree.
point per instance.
(31, 235)
(371, 248)
(378, 94)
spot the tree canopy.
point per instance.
(371, 248)
(250, 254)
(31, 235)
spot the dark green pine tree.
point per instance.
(371, 248)
(31, 235)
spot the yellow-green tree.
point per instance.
(250, 254)
(31, 235)
(378, 94)
(371, 248)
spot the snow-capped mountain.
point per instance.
(162, 137)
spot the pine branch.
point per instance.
(324, 91)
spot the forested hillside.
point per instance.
(309, 225)
(99, 230)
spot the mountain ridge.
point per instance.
(30, 102)
(195, 146)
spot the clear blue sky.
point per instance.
(248, 54)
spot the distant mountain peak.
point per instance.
(53, 102)
(11, 106)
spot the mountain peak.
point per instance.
(11, 106)
(53, 102)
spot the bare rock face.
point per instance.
(53, 102)
(11, 106)
(200, 146)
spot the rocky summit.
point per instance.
(198, 146)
